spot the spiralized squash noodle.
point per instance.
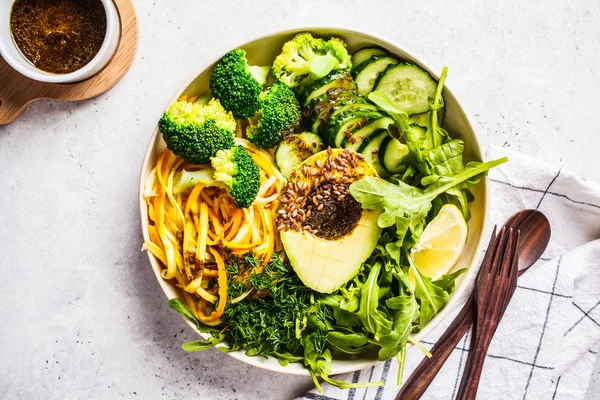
(189, 231)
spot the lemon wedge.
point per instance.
(441, 244)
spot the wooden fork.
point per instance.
(495, 286)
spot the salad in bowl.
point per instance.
(314, 208)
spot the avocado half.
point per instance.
(322, 264)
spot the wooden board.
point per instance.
(18, 91)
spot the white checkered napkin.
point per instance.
(548, 341)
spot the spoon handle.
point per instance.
(427, 370)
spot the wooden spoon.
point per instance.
(533, 240)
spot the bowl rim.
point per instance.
(458, 296)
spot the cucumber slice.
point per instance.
(326, 131)
(365, 53)
(371, 153)
(315, 89)
(320, 106)
(391, 154)
(408, 87)
(342, 129)
(343, 107)
(293, 150)
(316, 103)
(368, 72)
(365, 143)
(364, 133)
(359, 104)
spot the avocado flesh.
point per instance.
(325, 265)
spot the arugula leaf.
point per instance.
(401, 356)
(186, 313)
(349, 343)
(343, 310)
(318, 363)
(418, 141)
(199, 345)
(382, 101)
(447, 282)
(374, 320)
(435, 131)
(285, 358)
(432, 298)
(407, 206)
(446, 159)
(407, 311)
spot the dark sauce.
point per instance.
(58, 36)
(337, 218)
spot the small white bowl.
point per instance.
(262, 51)
(13, 56)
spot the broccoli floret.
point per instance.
(305, 57)
(280, 112)
(195, 132)
(236, 168)
(238, 85)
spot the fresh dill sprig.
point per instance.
(265, 322)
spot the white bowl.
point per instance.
(262, 51)
(13, 56)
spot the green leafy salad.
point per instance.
(370, 221)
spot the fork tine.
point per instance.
(514, 270)
(498, 279)
(487, 259)
(500, 252)
(507, 257)
(490, 250)
(510, 270)
(500, 263)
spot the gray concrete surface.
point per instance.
(82, 315)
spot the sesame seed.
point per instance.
(320, 207)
